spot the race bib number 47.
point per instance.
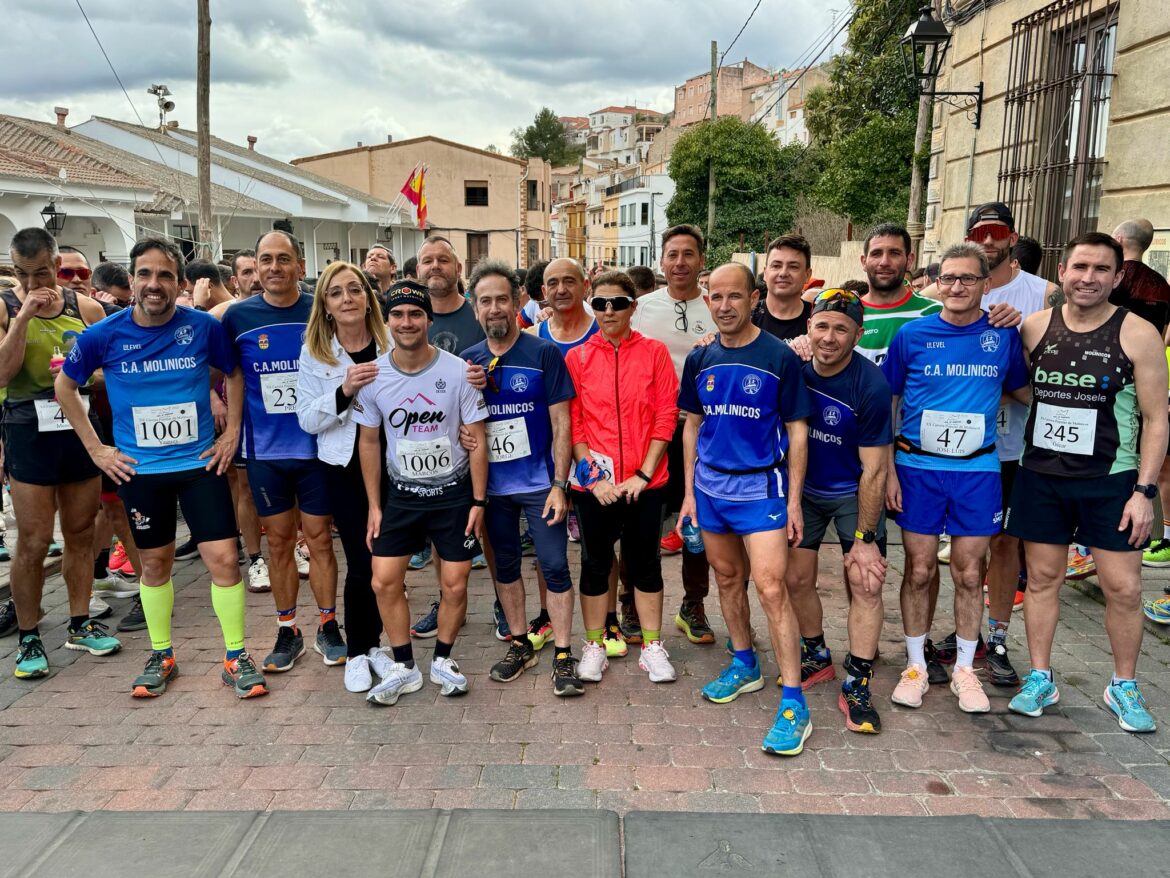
(280, 393)
(160, 426)
(952, 434)
(50, 419)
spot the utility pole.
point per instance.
(203, 128)
(914, 225)
(711, 161)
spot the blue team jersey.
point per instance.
(543, 331)
(268, 343)
(745, 396)
(528, 379)
(951, 379)
(851, 410)
(157, 379)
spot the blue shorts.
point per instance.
(740, 517)
(959, 504)
(279, 485)
(503, 529)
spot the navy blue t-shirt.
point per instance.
(851, 410)
(158, 382)
(526, 380)
(268, 342)
(745, 396)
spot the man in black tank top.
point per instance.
(1094, 440)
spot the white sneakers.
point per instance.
(258, 580)
(655, 661)
(357, 674)
(399, 680)
(593, 662)
(446, 674)
(302, 558)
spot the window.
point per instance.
(533, 251)
(643, 260)
(645, 214)
(475, 193)
(533, 195)
(1056, 117)
(477, 249)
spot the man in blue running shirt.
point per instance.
(746, 435)
(284, 473)
(848, 457)
(947, 374)
(529, 449)
(159, 361)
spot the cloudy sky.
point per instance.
(309, 76)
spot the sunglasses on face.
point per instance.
(996, 231)
(68, 274)
(618, 303)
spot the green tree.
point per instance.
(545, 138)
(756, 183)
(864, 119)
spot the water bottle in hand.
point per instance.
(692, 537)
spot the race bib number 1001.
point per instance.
(159, 426)
(280, 393)
(952, 434)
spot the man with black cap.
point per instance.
(437, 490)
(850, 434)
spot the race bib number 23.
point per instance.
(279, 390)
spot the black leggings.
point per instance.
(347, 498)
(636, 525)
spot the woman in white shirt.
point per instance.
(345, 335)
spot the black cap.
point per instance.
(992, 211)
(409, 292)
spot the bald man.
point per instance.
(1141, 289)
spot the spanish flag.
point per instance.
(413, 190)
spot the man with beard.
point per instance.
(454, 328)
(529, 449)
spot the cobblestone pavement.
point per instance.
(77, 740)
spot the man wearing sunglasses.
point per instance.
(48, 467)
(74, 271)
(745, 445)
(947, 374)
(678, 317)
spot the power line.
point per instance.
(800, 62)
(805, 70)
(741, 30)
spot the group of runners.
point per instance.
(407, 416)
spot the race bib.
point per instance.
(50, 418)
(1002, 421)
(604, 463)
(279, 391)
(159, 426)
(507, 440)
(952, 434)
(1064, 430)
(428, 459)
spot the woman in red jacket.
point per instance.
(623, 418)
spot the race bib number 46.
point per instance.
(50, 419)
(507, 440)
(280, 393)
(428, 459)
(952, 434)
(160, 426)
(1064, 430)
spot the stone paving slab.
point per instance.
(682, 845)
(394, 844)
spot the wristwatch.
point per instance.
(563, 484)
(1147, 491)
(866, 536)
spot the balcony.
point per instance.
(625, 186)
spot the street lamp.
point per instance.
(923, 49)
(54, 219)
